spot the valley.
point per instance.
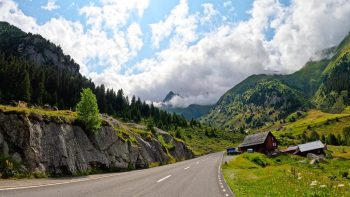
(215, 113)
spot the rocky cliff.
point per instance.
(56, 146)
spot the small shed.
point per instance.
(291, 150)
(260, 142)
(316, 147)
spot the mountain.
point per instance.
(15, 42)
(193, 111)
(257, 100)
(262, 100)
(334, 92)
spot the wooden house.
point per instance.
(261, 142)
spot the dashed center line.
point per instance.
(187, 168)
(162, 179)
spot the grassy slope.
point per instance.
(258, 100)
(201, 143)
(281, 176)
(315, 120)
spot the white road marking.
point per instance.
(197, 162)
(226, 194)
(222, 186)
(224, 190)
(162, 179)
(187, 168)
(52, 184)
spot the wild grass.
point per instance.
(66, 115)
(286, 176)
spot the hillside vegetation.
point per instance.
(310, 125)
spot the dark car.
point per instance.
(233, 151)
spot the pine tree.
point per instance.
(24, 87)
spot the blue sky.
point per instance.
(199, 49)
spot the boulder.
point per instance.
(316, 158)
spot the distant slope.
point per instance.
(334, 92)
(193, 111)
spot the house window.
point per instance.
(274, 144)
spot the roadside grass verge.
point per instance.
(286, 176)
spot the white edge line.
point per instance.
(229, 189)
(187, 168)
(160, 180)
(52, 184)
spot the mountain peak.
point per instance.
(170, 96)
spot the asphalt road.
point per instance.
(196, 177)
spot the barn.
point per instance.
(316, 147)
(260, 142)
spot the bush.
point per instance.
(8, 167)
(87, 110)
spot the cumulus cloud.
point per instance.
(222, 58)
(113, 13)
(201, 67)
(209, 12)
(51, 5)
(181, 22)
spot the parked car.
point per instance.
(233, 151)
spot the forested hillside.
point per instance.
(36, 71)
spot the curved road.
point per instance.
(196, 177)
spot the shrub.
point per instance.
(258, 159)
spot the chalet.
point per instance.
(316, 147)
(261, 142)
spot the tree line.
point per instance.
(35, 84)
(342, 139)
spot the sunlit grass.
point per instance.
(67, 115)
(287, 176)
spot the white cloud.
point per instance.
(180, 22)
(134, 35)
(209, 12)
(201, 67)
(204, 71)
(51, 5)
(113, 13)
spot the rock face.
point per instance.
(65, 148)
